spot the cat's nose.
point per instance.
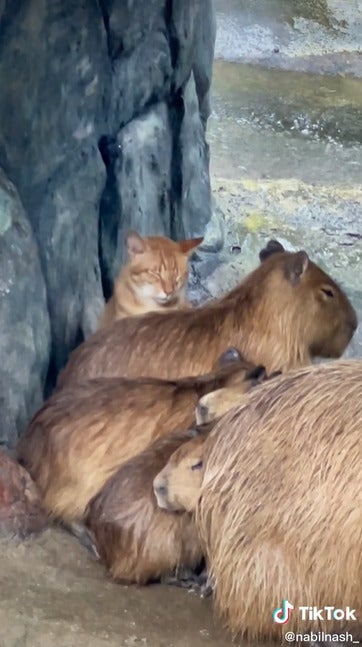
(168, 289)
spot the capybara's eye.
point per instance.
(197, 466)
(328, 292)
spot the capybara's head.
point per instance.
(317, 311)
(159, 266)
(177, 486)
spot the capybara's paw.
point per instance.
(184, 578)
(84, 536)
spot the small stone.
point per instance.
(214, 233)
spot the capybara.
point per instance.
(177, 488)
(177, 485)
(84, 432)
(136, 540)
(279, 511)
(283, 314)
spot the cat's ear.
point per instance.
(135, 243)
(188, 246)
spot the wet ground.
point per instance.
(283, 124)
(286, 162)
(54, 595)
(310, 35)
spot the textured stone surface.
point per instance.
(156, 156)
(55, 67)
(20, 510)
(195, 191)
(25, 334)
(102, 127)
(143, 176)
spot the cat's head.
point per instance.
(159, 266)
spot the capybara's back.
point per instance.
(280, 510)
(136, 540)
(281, 316)
(82, 434)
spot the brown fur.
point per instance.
(280, 511)
(137, 541)
(282, 315)
(215, 404)
(177, 485)
(154, 278)
(81, 435)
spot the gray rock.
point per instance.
(141, 78)
(80, 80)
(55, 67)
(143, 177)
(154, 51)
(214, 237)
(204, 46)
(194, 163)
(25, 328)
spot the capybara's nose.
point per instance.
(202, 410)
(354, 321)
(161, 489)
(160, 486)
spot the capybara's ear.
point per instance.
(295, 266)
(230, 356)
(272, 247)
(257, 373)
(188, 246)
(135, 243)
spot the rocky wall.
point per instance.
(103, 110)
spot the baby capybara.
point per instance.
(285, 313)
(177, 485)
(82, 434)
(136, 540)
(279, 510)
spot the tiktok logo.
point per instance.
(282, 614)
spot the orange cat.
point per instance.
(154, 279)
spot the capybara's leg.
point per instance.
(184, 578)
(188, 579)
(206, 584)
